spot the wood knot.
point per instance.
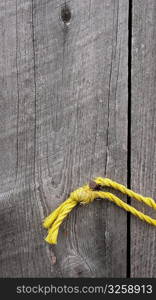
(93, 185)
(65, 14)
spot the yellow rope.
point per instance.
(86, 195)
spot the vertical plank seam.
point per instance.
(18, 99)
(35, 98)
(129, 136)
(109, 85)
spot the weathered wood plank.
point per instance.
(143, 246)
(22, 250)
(64, 121)
(81, 88)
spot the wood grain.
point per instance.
(64, 120)
(143, 152)
(22, 249)
(81, 86)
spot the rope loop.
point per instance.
(87, 194)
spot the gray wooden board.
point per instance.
(63, 120)
(143, 152)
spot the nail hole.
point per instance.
(66, 15)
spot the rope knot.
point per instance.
(83, 195)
